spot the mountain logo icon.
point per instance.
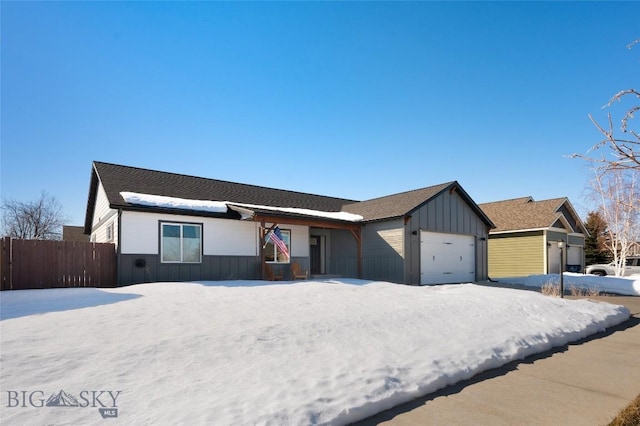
(62, 399)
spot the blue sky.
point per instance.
(348, 99)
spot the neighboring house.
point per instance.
(634, 250)
(172, 227)
(74, 233)
(525, 239)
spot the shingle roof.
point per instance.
(523, 213)
(116, 178)
(74, 233)
(395, 205)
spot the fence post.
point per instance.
(7, 264)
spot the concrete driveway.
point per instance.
(583, 383)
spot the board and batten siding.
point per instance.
(383, 251)
(447, 213)
(343, 254)
(513, 255)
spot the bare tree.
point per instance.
(41, 219)
(617, 192)
(616, 167)
(624, 145)
(624, 148)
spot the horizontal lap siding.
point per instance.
(102, 217)
(516, 256)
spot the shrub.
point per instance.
(628, 416)
(550, 289)
(584, 292)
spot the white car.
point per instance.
(632, 267)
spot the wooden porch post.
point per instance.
(262, 257)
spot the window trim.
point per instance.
(109, 232)
(276, 262)
(181, 225)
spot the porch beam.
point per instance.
(354, 228)
(315, 223)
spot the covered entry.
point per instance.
(446, 258)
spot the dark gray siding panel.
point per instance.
(577, 240)
(556, 236)
(570, 218)
(343, 254)
(449, 213)
(382, 251)
(212, 268)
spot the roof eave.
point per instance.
(174, 211)
(91, 199)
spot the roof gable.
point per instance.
(398, 205)
(525, 213)
(395, 205)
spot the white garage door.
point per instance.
(447, 258)
(574, 255)
(554, 258)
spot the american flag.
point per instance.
(276, 238)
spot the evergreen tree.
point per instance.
(594, 245)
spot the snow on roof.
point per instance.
(306, 212)
(221, 206)
(173, 202)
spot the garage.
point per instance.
(575, 258)
(554, 258)
(447, 258)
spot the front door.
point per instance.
(316, 254)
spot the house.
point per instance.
(525, 239)
(173, 227)
(74, 233)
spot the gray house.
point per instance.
(173, 227)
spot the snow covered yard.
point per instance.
(252, 352)
(629, 286)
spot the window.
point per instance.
(273, 254)
(110, 232)
(181, 243)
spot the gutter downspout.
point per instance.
(118, 248)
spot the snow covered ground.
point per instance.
(629, 286)
(252, 352)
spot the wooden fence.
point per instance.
(30, 264)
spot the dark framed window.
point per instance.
(110, 232)
(272, 252)
(180, 242)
